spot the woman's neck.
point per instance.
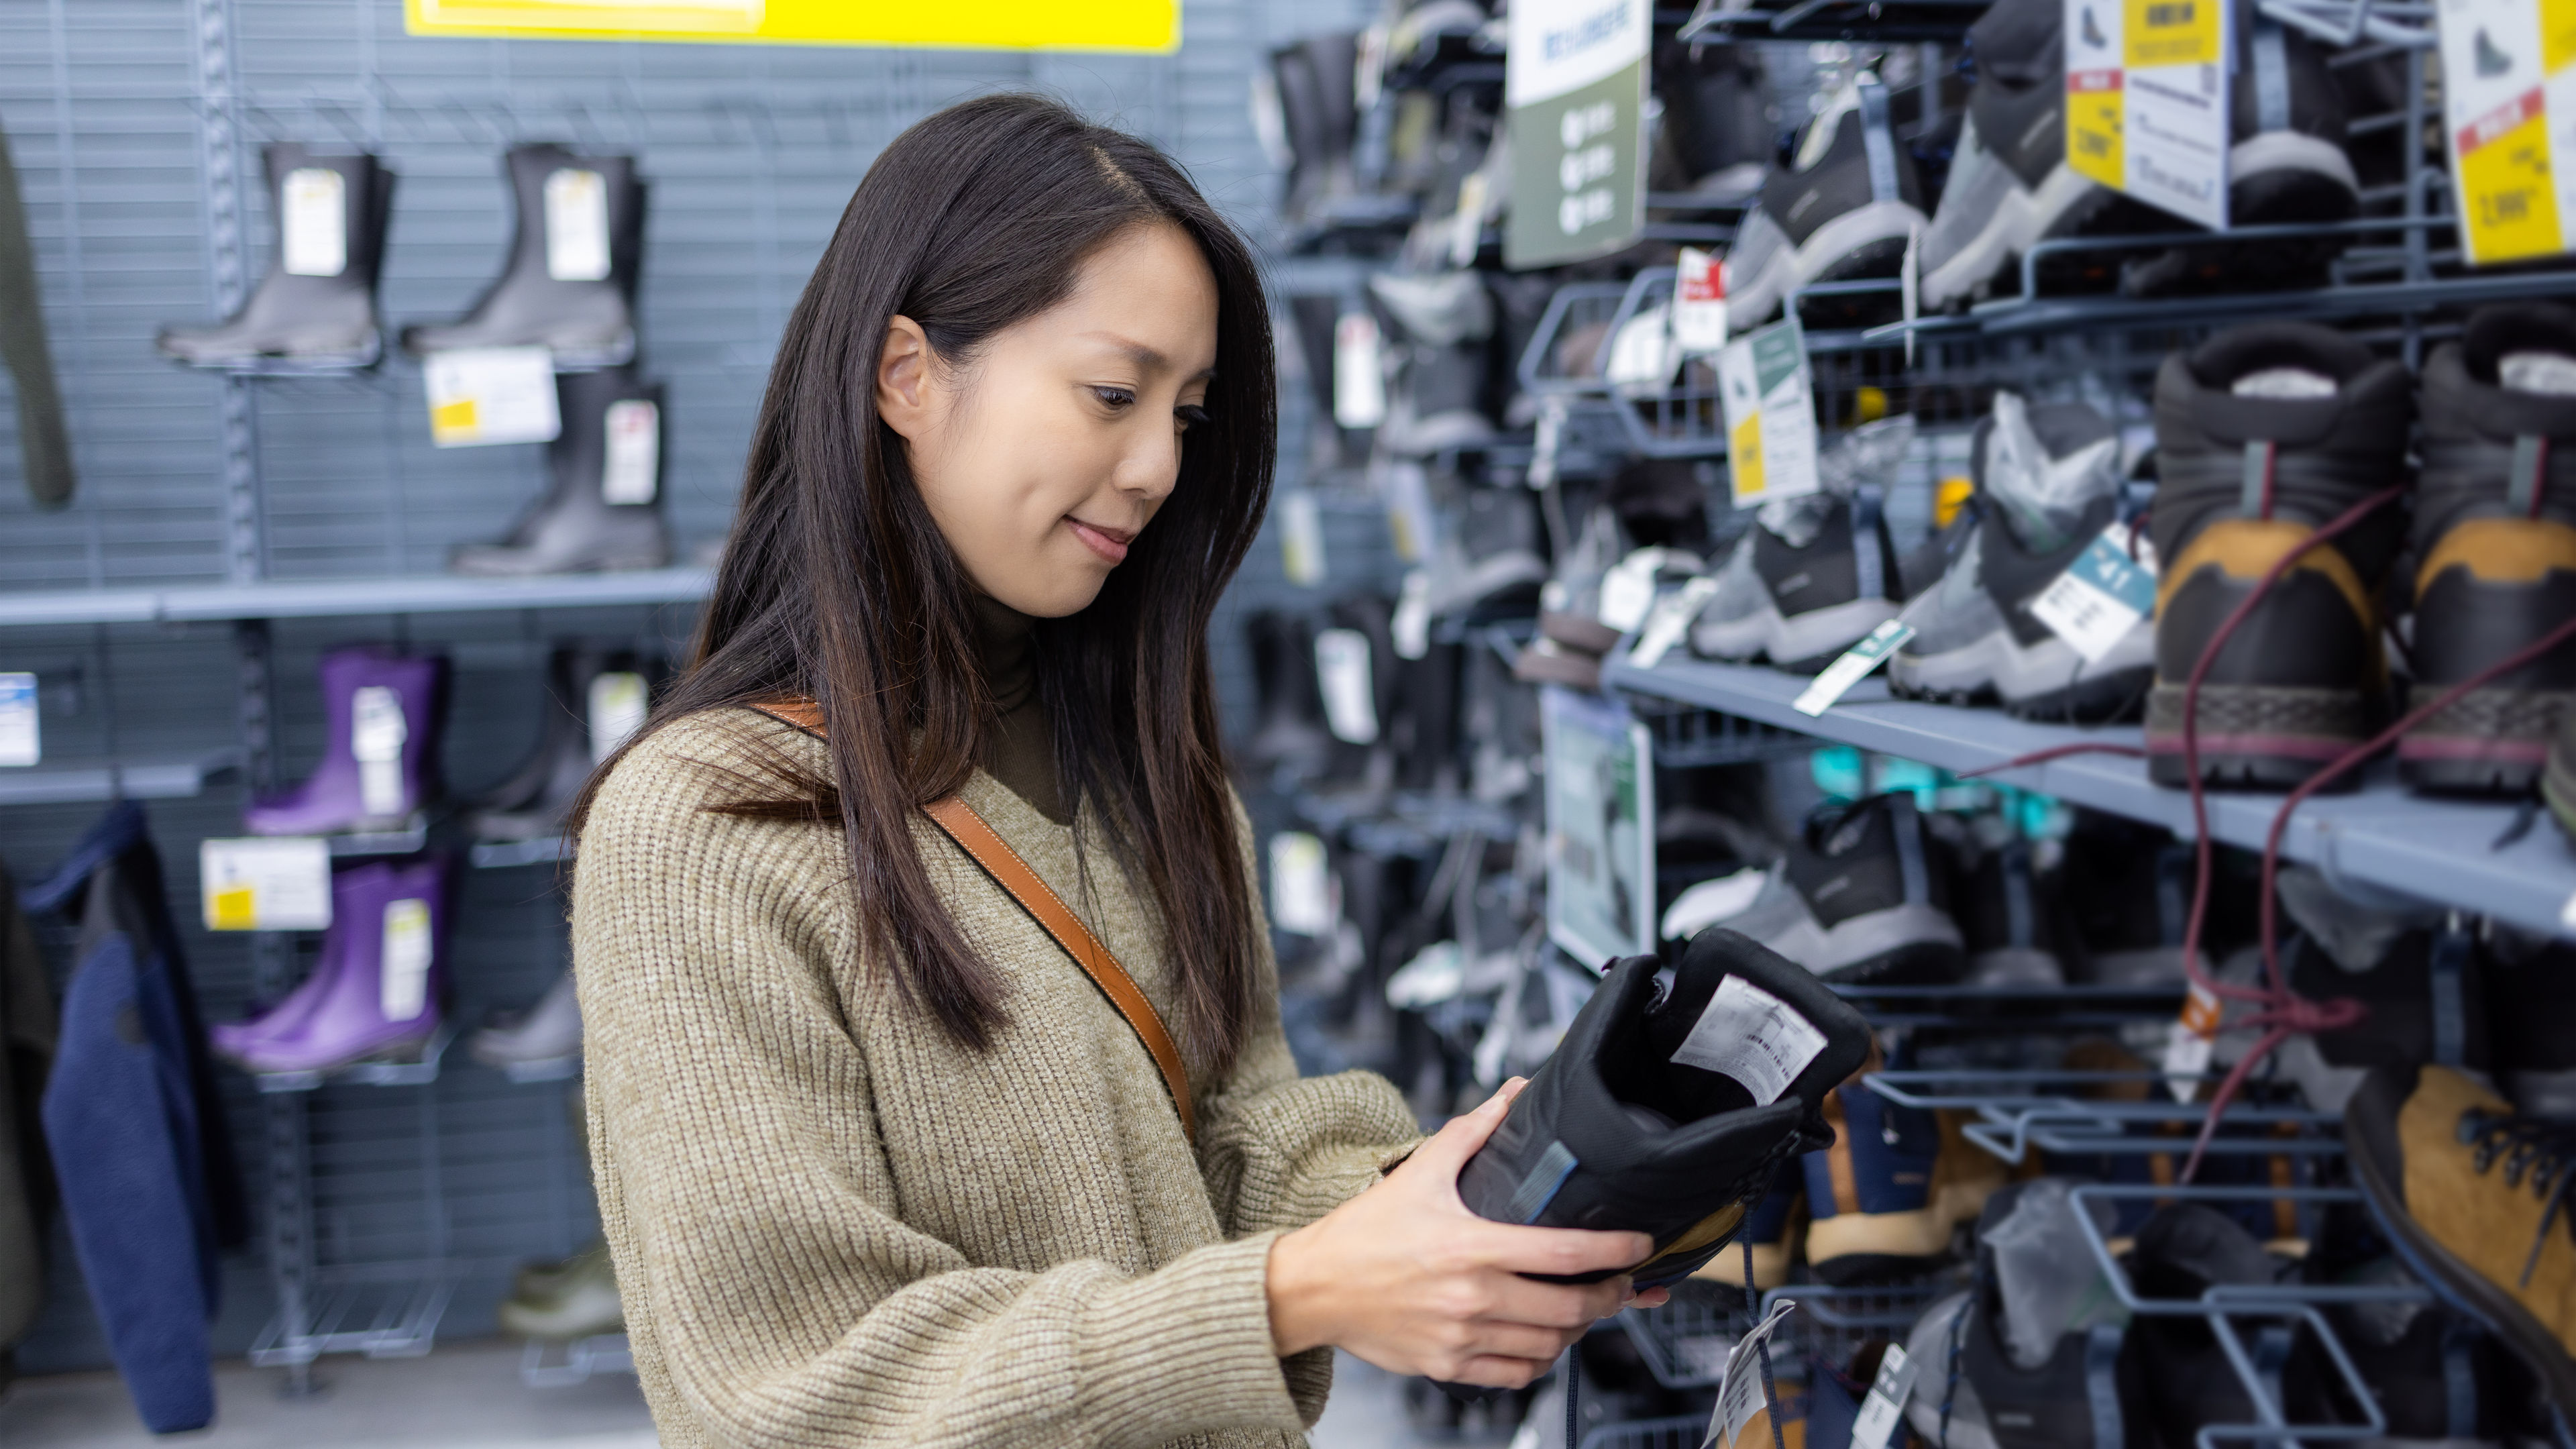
(1019, 748)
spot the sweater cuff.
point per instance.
(1187, 1347)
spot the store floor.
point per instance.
(469, 1396)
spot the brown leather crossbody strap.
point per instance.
(988, 849)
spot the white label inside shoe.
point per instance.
(1884, 1405)
(404, 981)
(633, 472)
(1301, 538)
(1628, 588)
(1350, 693)
(1741, 1397)
(1301, 890)
(1359, 388)
(1412, 623)
(1699, 302)
(2283, 383)
(2550, 374)
(576, 226)
(1837, 678)
(1670, 617)
(2104, 595)
(313, 233)
(20, 740)
(376, 735)
(265, 883)
(1752, 1036)
(617, 704)
(479, 396)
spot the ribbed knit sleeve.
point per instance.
(759, 1225)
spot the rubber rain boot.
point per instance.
(570, 281)
(316, 308)
(389, 939)
(595, 699)
(381, 765)
(604, 511)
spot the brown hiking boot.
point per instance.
(2474, 1198)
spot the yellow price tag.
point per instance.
(236, 909)
(2172, 32)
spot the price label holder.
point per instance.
(1301, 537)
(1699, 301)
(482, 396)
(1666, 622)
(2194, 1041)
(1301, 889)
(1574, 83)
(1769, 395)
(21, 741)
(2509, 87)
(2146, 100)
(2107, 591)
(1740, 1396)
(1883, 1407)
(1838, 677)
(265, 883)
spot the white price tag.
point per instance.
(377, 731)
(1301, 538)
(265, 883)
(2103, 595)
(313, 234)
(576, 226)
(2194, 1040)
(1628, 589)
(633, 472)
(403, 982)
(1359, 384)
(1838, 677)
(618, 701)
(1671, 616)
(1699, 301)
(2146, 103)
(2508, 91)
(1412, 623)
(1350, 689)
(21, 742)
(1883, 1407)
(480, 396)
(1739, 1397)
(1301, 889)
(1769, 394)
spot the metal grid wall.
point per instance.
(751, 153)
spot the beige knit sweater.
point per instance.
(833, 1227)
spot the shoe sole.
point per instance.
(2464, 1288)
(1802, 644)
(2043, 681)
(2492, 741)
(2272, 737)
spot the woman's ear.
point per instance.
(904, 385)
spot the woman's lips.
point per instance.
(1109, 543)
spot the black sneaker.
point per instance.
(1666, 1110)
(1845, 211)
(2263, 434)
(2424, 985)
(1717, 117)
(2186, 1382)
(1812, 578)
(2495, 547)
(2012, 920)
(1863, 898)
(2435, 1378)
(1975, 637)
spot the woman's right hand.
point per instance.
(1407, 1278)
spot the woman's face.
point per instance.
(1043, 461)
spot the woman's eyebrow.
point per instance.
(1143, 356)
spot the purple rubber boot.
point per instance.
(235, 1040)
(381, 764)
(388, 940)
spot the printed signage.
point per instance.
(1600, 827)
(1112, 25)
(1575, 80)
(1770, 400)
(2508, 73)
(2146, 101)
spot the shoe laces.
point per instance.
(2544, 1152)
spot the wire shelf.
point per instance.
(379, 1318)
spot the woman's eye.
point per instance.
(1190, 414)
(1116, 399)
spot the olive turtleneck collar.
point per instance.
(1019, 750)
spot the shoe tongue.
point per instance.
(2283, 382)
(2549, 374)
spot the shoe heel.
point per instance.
(2256, 736)
(2490, 741)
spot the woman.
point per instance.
(878, 1164)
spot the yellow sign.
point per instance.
(1112, 25)
(2508, 89)
(2172, 32)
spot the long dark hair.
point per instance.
(837, 585)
